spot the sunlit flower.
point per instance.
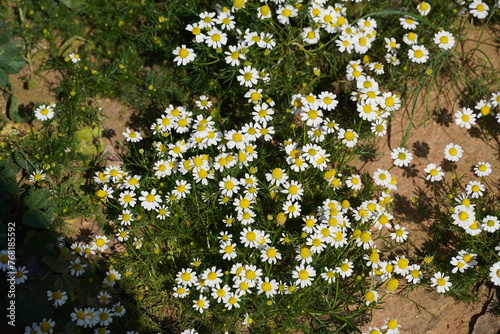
(401, 156)
(44, 112)
(441, 282)
(434, 173)
(184, 55)
(465, 118)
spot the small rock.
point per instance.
(487, 324)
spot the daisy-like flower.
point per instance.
(328, 275)
(310, 36)
(376, 67)
(371, 297)
(354, 182)
(311, 115)
(441, 282)
(44, 112)
(248, 76)
(418, 54)
(212, 277)
(232, 300)
(345, 269)
(453, 152)
(285, 13)
(111, 277)
(479, 9)
(277, 177)
(264, 12)
(163, 212)
(292, 209)
(267, 286)
(465, 118)
(391, 45)
(303, 275)
(391, 326)
(414, 274)
(5, 258)
(127, 198)
(444, 40)
(216, 38)
(104, 316)
(475, 189)
(203, 102)
(458, 263)
(100, 242)
(184, 55)
(408, 23)
(37, 175)
(118, 310)
(74, 57)
(270, 255)
(389, 102)
(150, 200)
(45, 326)
(262, 113)
(379, 127)
(195, 29)
(490, 224)
(495, 273)
(132, 136)
(105, 193)
(401, 156)
(228, 250)
(400, 234)
(482, 169)
(349, 137)
(59, 297)
(186, 277)
(424, 8)
(410, 38)
(294, 190)
(104, 297)
(382, 177)
(19, 275)
(434, 173)
(484, 107)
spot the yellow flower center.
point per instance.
(100, 242)
(349, 135)
(303, 274)
(183, 53)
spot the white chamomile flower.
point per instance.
(441, 282)
(418, 54)
(401, 156)
(453, 152)
(184, 55)
(444, 40)
(44, 112)
(465, 118)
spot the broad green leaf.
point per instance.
(21, 161)
(32, 304)
(38, 199)
(4, 77)
(36, 218)
(5, 36)
(86, 136)
(56, 264)
(14, 110)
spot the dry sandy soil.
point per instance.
(422, 310)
